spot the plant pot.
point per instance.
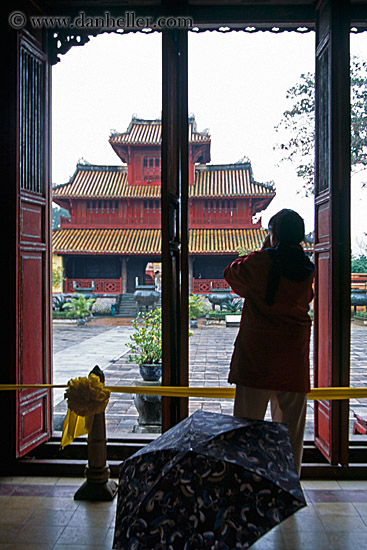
(151, 372)
(193, 323)
(233, 320)
(149, 407)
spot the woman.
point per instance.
(271, 356)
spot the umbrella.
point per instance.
(213, 481)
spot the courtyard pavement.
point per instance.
(78, 349)
(103, 342)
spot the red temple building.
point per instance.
(113, 233)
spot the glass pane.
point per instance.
(358, 357)
(106, 169)
(240, 87)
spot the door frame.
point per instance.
(175, 340)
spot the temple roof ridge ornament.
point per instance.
(83, 162)
(100, 167)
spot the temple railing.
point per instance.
(202, 286)
(101, 286)
(359, 280)
(221, 221)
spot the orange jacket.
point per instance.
(272, 347)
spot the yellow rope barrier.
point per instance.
(337, 393)
(210, 392)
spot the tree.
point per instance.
(57, 276)
(299, 123)
(196, 307)
(57, 212)
(359, 265)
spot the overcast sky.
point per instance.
(237, 89)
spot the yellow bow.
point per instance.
(86, 397)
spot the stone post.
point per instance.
(124, 275)
(191, 274)
(97, 486)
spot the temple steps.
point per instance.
(126, 306)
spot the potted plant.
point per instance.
(146, 344)
(234, 310)
(234, 307)
(79, 307)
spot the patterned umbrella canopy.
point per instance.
(212, 482)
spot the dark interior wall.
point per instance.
(89, 267)
(211, 267)
(135, 268)
(107, 267)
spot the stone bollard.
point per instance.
(97, 486)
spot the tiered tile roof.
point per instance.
(91, 181)
(148, 241)
(149, 132)
(111, 182)
(228, 180)
(211, 181)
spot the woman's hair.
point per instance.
(288, 227)
(288, 259)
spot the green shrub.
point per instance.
(196, 307)
(64, 315)
(217, 315)
(361, 314)
(79, 307)
(233, 307)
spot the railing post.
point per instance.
(97, 486)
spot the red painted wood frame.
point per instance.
(33, 364)
(332, 226)
(175, 251)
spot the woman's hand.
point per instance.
(266, 243)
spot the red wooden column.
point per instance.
(332, 225)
